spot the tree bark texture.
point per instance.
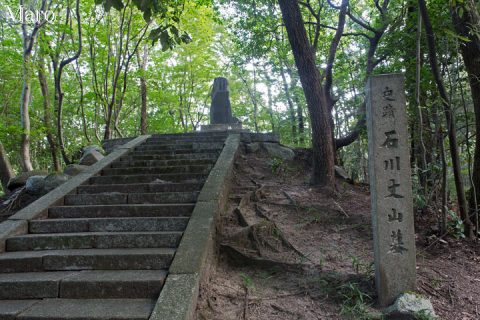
(450, 118)
(6, 172)
(47, 118)
(323, 153)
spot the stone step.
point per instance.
(174, 152)
(93, 240)
(108, 225)
(130, 198)
(150, 178)
(161, 163)
(126, 210)
(186, 156)
(179, 140)
(91, 309)
(95, 284)
(100, 284)
(31, 285)
(192, 146)
(86, 259)
(140, 188)
(203, 169)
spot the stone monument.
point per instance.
(390, 187)
(220, 110)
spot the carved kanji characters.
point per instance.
(388, 94)
(391, 141)
(388, 111)
(392, 164)
(395, 216)
(393, 189)
(397, 245)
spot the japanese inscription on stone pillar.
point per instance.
(390, 187)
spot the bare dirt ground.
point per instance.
(290, 251)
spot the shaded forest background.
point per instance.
(110, 69)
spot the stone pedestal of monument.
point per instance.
(222, 127)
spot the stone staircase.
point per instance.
(105, 253)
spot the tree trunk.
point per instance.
(58, 86)
(270, 100)
(323, 153)
(6, 172)
(452, 137)
(28, 40)
(25, 160)
(471, 56)
(47, 119)
(291, 108)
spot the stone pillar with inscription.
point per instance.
(390, 187)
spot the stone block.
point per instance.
(222, 127)
(74, 169)
(92, 157)
(141, 187)
(252, 147)
(166, 197)
(53, 181)
(37, 285)
(178, 298)
(9, 309)
(21, 179)
(10, 228)
(136, 284)
(92, 309)
(197, 240)
(35, 185)
(148, 178)
(58, 225)
(251, 137)
(94, 199)
(108, 259)
(409, 306)
(108, 240)
(276, 150)
(28, 261)
(139, 224)
(32, 242)
(109, 211)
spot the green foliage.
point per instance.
(361, 267)
(247, 281)
(276, 165)
(423, 315)
(455, 225)
(355, 302)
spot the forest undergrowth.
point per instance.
(290, 251)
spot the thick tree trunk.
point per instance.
(452, 137)
(471, 56)
(47, 119)
(6, 172)
(323, 153)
